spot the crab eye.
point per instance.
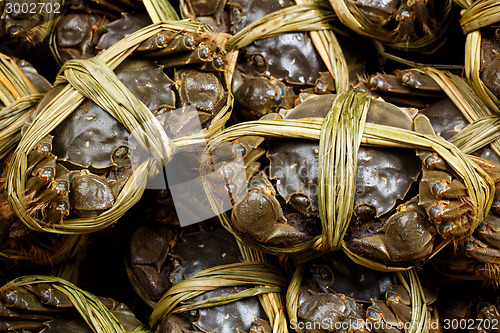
(189, 41)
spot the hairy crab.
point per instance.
(272, 71)
(481, 247)
(414, 18)
(159, 260)
(80, 167)
(83, 35)
(338, 295)
(393, 222)
(411, 25)
(44, 308)
(490, 61)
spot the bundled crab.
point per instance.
(482, 50)
(88, 27)
(275, 64)
(419, 26)
(75, 155)
(315, 191)
(331, 293)
(195, 281)
(49, 304)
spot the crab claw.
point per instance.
(422, 16)
(41, 174)
(381, 319)
(259, 216)
(404, 237)
(405, 19)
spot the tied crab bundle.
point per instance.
(481, 23)
(413, 25)
(265, 221)
(283, 47)
(192, 287)
(20, 91)
(474, 128)
(71, 172)
(332, 293)
(21, 88)
(47, 303)
(269, 62)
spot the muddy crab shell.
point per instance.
(91, 137)
(289, 56)
(384, 175)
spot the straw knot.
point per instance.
(340, 139)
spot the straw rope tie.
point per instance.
(339, 143)
(230, 275)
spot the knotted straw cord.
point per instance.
(124, 107)
(237, 274)
(480, 187)
(89, 76)
(96, 315)
(339, 143)
(480, 14)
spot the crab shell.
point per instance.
(490, 62)
(289, 57)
